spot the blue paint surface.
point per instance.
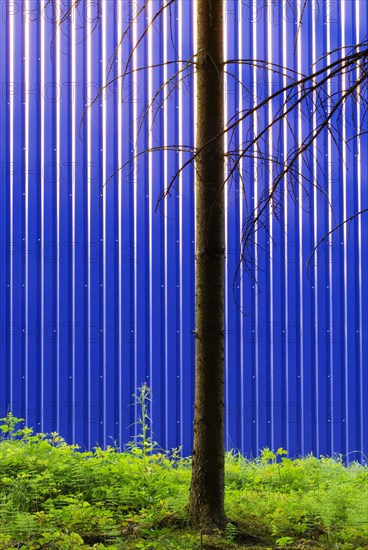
(97, 285)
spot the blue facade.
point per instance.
(97, 285)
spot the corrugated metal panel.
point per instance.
(97, 289)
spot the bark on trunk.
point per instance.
(206, 502)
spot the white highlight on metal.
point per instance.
(120, 201)
(135, 190)
(89, 30)
(58, 175)
(345, 228)
(360, 272)
(42, 207)
(271, 218)
(241, 221)
(105, 18)
(166, 180)
(26, 196)
(195, 85)
(226, 192)
(315, 233)
(330, 226)
(150, 190)
(180, 184)
(255, 202)
(300, 220)
(11, 196)
(286, 210)
(74, 160)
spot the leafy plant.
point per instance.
(53, 495)
(8, 426)
(142, 443)
(284, 541)
(230, 532)
(269, 456)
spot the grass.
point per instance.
(52, 495)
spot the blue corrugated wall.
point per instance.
(97, 287)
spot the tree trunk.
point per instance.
(206, 502)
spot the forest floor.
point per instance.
(54, 495)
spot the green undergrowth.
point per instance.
(53, 495)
